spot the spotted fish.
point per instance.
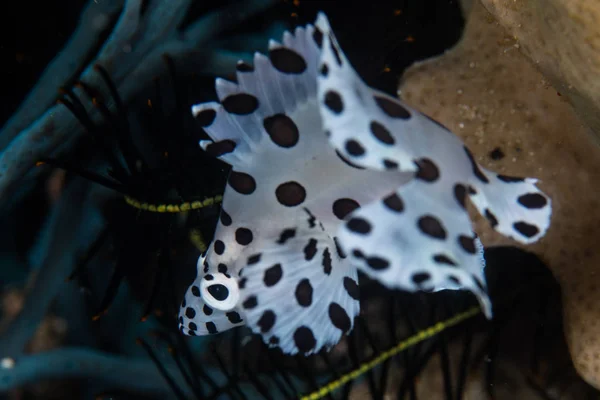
(330, 176)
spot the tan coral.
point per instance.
(487, 92)
(562, 38)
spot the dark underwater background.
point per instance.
(90, 286)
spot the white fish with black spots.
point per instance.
(330, 176)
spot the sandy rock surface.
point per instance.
(562, 39)
(517, 123)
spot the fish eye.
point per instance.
(219, 291)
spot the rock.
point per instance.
(562, 39)
(514, 120)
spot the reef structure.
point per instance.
(561, 38)
(496, 99)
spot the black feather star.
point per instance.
(158, 177)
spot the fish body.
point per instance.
(330, 176)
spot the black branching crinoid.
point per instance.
(165, 192)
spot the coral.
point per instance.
(51, 331)
(72, 362)
(132, 55)
(49, 335)
(133, 38)
(562, 39)
(486, 91)
(56, 257)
